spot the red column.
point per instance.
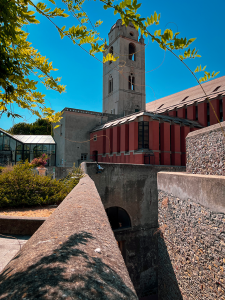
(133, 135)
(191, 112)
(154, 139)
(165, 143)
(124, 137)
(183, 133)
(175, 145)
(216, 106)
(172, 113)
(116, 139)
(181, 113)
(109, 140)
(202, 113)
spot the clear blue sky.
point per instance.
(82, 74)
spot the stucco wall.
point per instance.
(134, 188)
(205, 150)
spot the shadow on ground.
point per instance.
(67, 273)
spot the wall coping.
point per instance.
(209, 129)
(193, 175)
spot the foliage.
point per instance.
(22, 187)
(1, 169)
(40, 161)
(39, 127)
(19, 60)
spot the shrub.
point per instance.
(40, 161)
(22, 187)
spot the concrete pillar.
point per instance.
(124, 137)
(215, 104)
(175, 145)
(202, 113)
(181, 113)
(154, 139)
(165, 143)
(191, 110)
(116, 139)
(133, 135)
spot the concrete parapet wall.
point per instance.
(208, 190)
(205, 150)
(20, 225)
(73, 255)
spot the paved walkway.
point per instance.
(9, 246)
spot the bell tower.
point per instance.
(124, 80)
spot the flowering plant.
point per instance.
(40, 161)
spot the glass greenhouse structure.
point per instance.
(15, 148)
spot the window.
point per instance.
(83, 156)
(95, 138)
(196, 113)
(143, 135)
(131, 33)
(132, 50)
(216, 89)
(185, 98)
(131, 82)
(113, 111)
(221, 110)
(110, 85)
(185, 113)
(118, 218)
(208, 116)
(137, 109)
(111, 51)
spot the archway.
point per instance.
(118, 218)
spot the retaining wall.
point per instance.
(192, 229)
(73, 255)
(205, 150)
(134, 188)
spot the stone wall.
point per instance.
(205, 150)
(194, 264)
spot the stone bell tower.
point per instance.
(124, 80)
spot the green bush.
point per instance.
(1, 169)
(20, 186)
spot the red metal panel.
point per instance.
(116, 139)
(215, 104)
(181, 113)
(184, 132)
(165, 136)
(133, 136)
(124, 137)
(109, 140)
(202, 113)
(191, 110)
(154, 135)
(175, 138)
(172, 113)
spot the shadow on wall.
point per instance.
(167, 282)
(46, 279)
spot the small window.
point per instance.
(110, 85)
(113, 111)
(216, 89)
(143, 135)
(118, 218)
(131, 84)
(111, 51)
(185, 113)
(83, 156)
(95, 138)
(137, 110)
(160, 106)
(132, 50)
(131, 33)
(185, 98)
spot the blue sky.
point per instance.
(82, 74)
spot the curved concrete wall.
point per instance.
(73, 255)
